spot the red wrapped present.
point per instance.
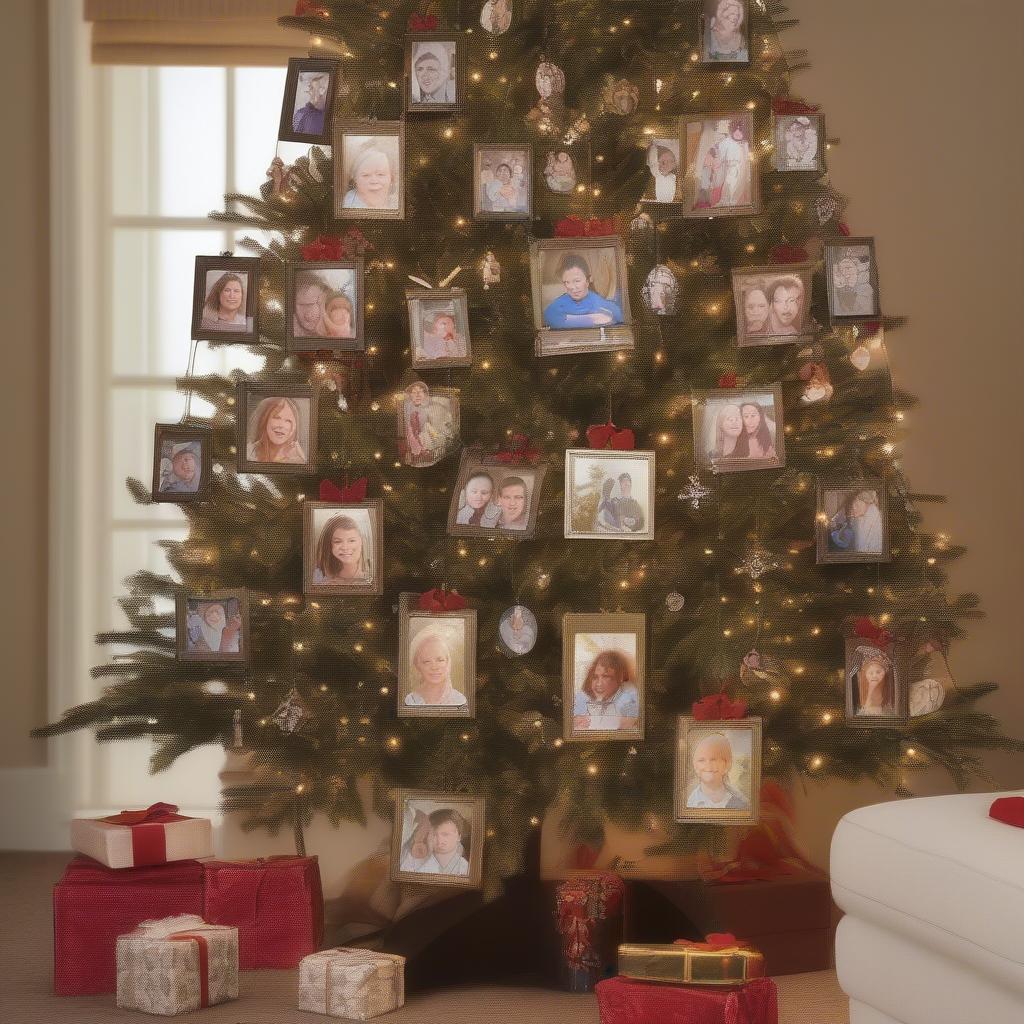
(138, 839)
(625, 1001)
(588, 918)
(94, 904)
(276, 904)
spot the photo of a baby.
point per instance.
(718, 770)
(493, 498)
(324, 307)
(437, 839)
(182, 459)
(369, 170)
(439, 327)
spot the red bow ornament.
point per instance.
(519, 453)
(302, 8)
(784, 105)
(789, 254)
(330, 247)
(718, 706)
(607, 435)
(866, 628)
(422, 22)
(347, 492)
(437, 600)
(727, 380)
(576, 227)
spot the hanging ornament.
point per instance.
(292, 715)
(818, 386)
(517, 630)
(675, 601)
(550, 82)
(861, 358)
(757, 669)
(642, 222)
(490, 270)
(825, 207)
(756, 563)
(496, 16)
(280, 176)
(661, 291)
(694, 492)
(926, 696)
(236, 730)
(619, 96)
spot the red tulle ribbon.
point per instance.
(719, 705)
(579, 904)
(347, 492)
(868, 630)
(727, 380)
(331, 247)
(155, 814)
(149, 840)
(784, 105)
(789, 254)
(576, 227)
(519, 453)
(713, 941)
(1009, 810)
(422, 22)
(437, 600)
(607, 435)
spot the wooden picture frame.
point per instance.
(368, 516)
(503, 476)
(471, 808)
(440, 424)
(604, 525)
(735, 732)
(555, 341)
(781, 125)
(308, 65)
(247, 268)
(448, 44)
(180, 434)
(707, 458)
(709, 11)
(182, 612)
(828, 521)
(577, 701)
(501, 154)
(323, 272)
(363, 134)
(464, 622)
(450, 302)
(296, 393)
(705, 182)
(664, 194)
(769, 290)
(862, 299)
(859, 652)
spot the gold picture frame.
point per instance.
(454, 299)
(773, 283)
(701, 190)
(591, 507)
(472, 809)
(503, 476)
(829, 550)
(704, 406)
(689, 733)
(182, 611)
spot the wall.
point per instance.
(24, 299)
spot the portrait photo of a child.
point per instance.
(718, 770)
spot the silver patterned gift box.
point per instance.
(354, 983)
(177, 965)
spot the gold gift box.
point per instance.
(687, 965)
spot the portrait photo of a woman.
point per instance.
(278, 429)
(341, 548)
(773, 306)
(368, 177)
(225, 298)
(437, 661)
(872, 682)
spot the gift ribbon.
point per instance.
(865, 628)
(437, 600)
(717, 706)
(149, 840)
(345, 956)
(519, 453)
(204, 962)
(607, 435)
(347, 492)
(714, 942)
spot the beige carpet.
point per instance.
(268, 997)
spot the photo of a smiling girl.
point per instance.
(341, 548)
(436, 661)
(278, 429)
(718, 770)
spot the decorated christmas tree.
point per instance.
(589, 427)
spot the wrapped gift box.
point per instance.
(136, 839)
(354, 983)
(626, 1001)
(276, 904)
(721, 960)
(93, 905)
(177, 965)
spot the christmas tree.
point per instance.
(666, 137)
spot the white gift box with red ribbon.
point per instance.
(136, 839)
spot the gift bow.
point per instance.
(607, 435)
(1008, 809)
(784, 105)
(719, 705)
(865, 628)
(155, 814)
(331, 247)
(521, 451)
(789, 254)
(422, 22)
(727, 380)
(576, 227)
(713, 942)
(347, 492)
(437, 600)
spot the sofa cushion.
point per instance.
(938, 871)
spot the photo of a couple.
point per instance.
(609, 494)
(324, 308)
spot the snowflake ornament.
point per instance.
(694, 492)
(757, 563)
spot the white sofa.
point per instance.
(933, 891)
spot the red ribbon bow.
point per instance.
(520, 451)
(576, 227)
(422, 22)
(713, 941)
(719, 705)
(437, 600)
(727, 380)
(149, 840)
(347, 492)
(155, 814)
(789, 254)
(784, 105)
(331, 247)
(303, 7)
(844, 228)
(607, 435)
(864, 627)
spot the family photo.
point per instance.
(277, 427)
(213, 627)
(517, 630)
(437, 839)
(773, 305)
(609, 495)
(439, 327)
(852, 276)
(324, 307)
(308, 101)
(437, 661)
(735, 430)
(342, 548)
(428, 423)
(492, 498)
(603, 659)
(432, 73)
(852, 522)
(182, 458)
(369, 167)
(502, 182)
(226, 299)
(721, 168)
(663, 163)
(580, 295)
(718, 770)
(726, 32)
(874, 687)
(799, 142)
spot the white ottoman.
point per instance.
(933, 890)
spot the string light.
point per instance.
(817, 761)
(558, 741)
(592, 769)
(534, 821)
(826, 718)
(775, 696)
(300, 789)
(251, 695)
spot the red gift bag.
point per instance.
(625, 1001)
(94, 904)
(276, 904)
